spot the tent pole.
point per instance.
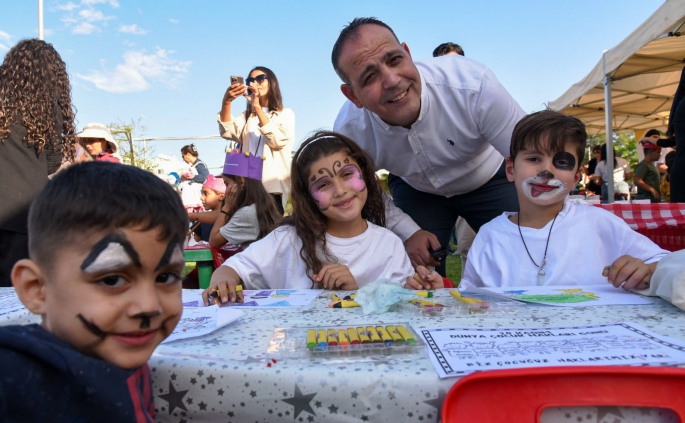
(609, 132)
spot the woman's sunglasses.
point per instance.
(259, 79)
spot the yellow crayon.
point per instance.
(373, 334)
(394, 334)
(385, 336)
(344, 304)
(332, 338)
(238, 288)
(425, 303)
(409, 339)
(342, 338)
(352, 334)
(426, 294)
(322, 339)
(363, 337)
(311, 339)
(466, 300)
(334, 297)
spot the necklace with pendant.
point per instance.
(541, 272)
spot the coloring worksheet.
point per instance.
(566, 296)
(266, 298)
(202, 320)
(9, 302)
(459, 351)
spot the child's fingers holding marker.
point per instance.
(413, 282)
(627, 272)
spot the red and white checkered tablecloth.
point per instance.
(648, 216)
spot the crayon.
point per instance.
(344, 304)
(352, 334)
(394, 334)
(427, 294)
(322, 339)
(477, 304)
(334, 297)
(311, 339)
(215, 292)
(363, 337)
(385, 336)
(342, 338)
(373, 334)
(408, 338)
(332, 338)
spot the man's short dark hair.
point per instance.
(652, 132)
(99, 196)
(351, 31)
(446, 48)
(596, 149)
(548, 131)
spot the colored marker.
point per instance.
(322, 339)
(477, 304)
(215, 291)
(332, 338)
(394, 334)
(427, 294)
(352, 334)
(385, 336)
(342, 338)
(344, 304)
(373, 334)
(406, 335)
(311, 339)
(363, 337)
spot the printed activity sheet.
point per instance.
(459, 351)
(266, 298)
(203, 320)
(9, 303)
(566, 296)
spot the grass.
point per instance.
(453, 268)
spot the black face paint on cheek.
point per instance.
(92, 327)
(545, 174)
(564, 160)
(113, 238)
(145, 318)
(169, 252)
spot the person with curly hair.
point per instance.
(36, 134)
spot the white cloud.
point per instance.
(92, 15)
(68, 6)
(113, 3)
(174, 21)
(3, 47)
(132, 29)
(85, 28)
(138, 71)
(5, 36)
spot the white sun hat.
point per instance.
(99, 131)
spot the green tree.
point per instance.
(624, 144)
(132, 153)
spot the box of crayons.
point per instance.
(454, 303)
(364, 339)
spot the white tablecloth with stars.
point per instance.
(224, 376)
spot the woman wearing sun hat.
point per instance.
(97, 139)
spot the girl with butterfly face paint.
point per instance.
(336, 228)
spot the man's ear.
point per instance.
(349, 93)
(510, 169)
(29, 283)
(406, 48)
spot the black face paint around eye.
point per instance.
(92, 327)
(113, 238)
(545, 174)
(564, 160)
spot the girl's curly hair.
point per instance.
(34, 85)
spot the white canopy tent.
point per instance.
(632, 86)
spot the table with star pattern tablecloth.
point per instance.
(226, 376)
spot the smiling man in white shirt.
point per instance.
(442, 125)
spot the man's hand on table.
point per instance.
(417, 248)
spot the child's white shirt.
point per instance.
(584, 240)
(274, 262)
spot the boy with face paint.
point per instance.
(104, 274)
(535, 246)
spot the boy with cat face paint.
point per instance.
(104, 274)
(539, 244)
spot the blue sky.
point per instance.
(170, 61)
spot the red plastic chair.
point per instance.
(521, 395)
(448, 283)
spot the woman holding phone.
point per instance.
(265, 128)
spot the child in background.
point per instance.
(334, 237)
(647, 176)
(97, 139)
(192, 179)
(213, 194)
(536, 245)
(665, 187)
(104, 275)
(248, 212)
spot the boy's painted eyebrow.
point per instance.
(114, 251)
(173, 254)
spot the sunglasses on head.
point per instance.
(259, 79)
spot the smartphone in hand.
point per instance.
(237, 79)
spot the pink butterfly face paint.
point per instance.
(328, 184)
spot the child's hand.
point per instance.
(423, 279)
(224, 280)
(336, 276)
(630, 272)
